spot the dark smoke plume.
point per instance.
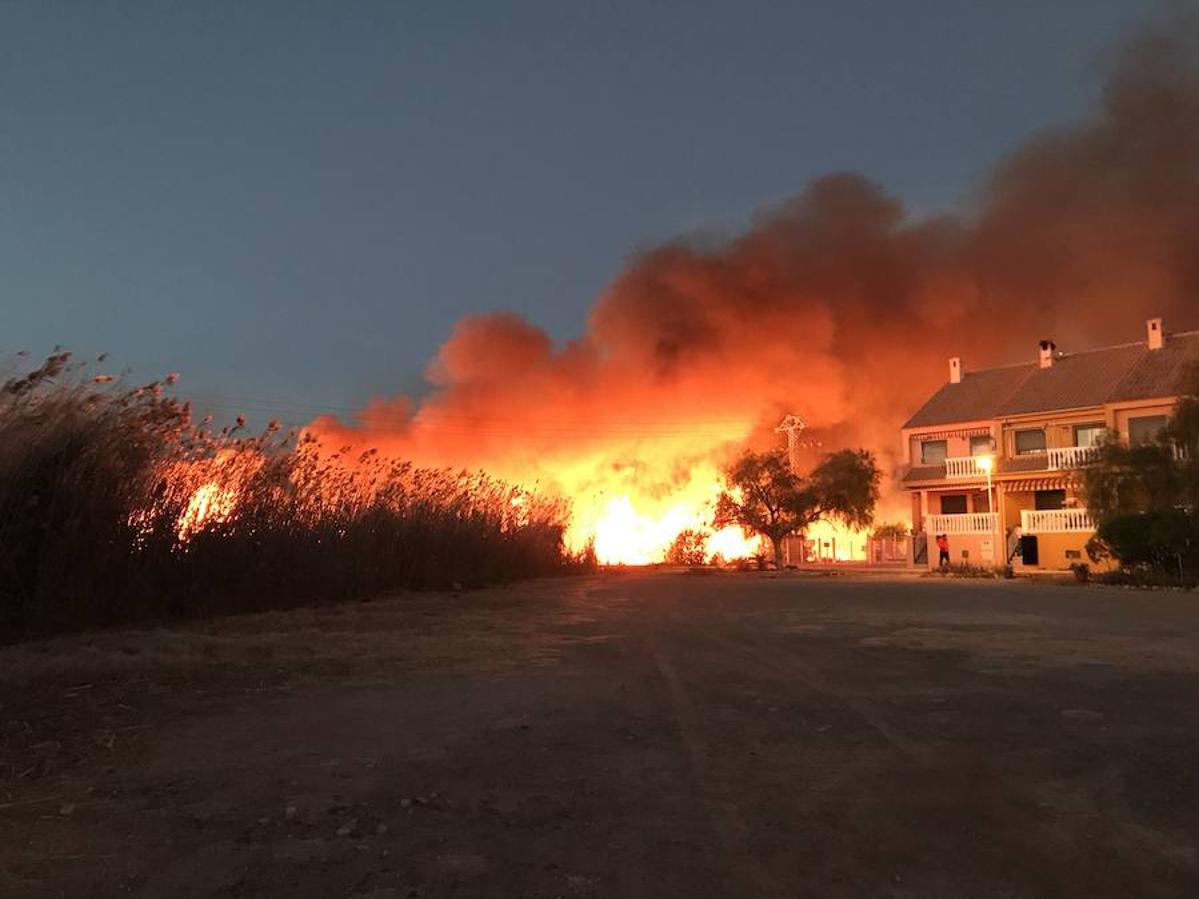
(837, 305)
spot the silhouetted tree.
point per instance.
(767, 497)
(1144, 498)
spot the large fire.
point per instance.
(632, 529)
(838, 303)
(628, 514)
(623, 528)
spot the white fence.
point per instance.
(968, 523)
(1055, 521)
(1071, 456)
(963, 467)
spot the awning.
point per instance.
(1028, 485)
(953, 432)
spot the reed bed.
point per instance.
(116, 506)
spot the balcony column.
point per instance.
(1002, 519)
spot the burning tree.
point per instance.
(768, 497)
(690, 547)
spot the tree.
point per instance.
(1145, 498)
(767, 497)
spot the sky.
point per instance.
(290, 204)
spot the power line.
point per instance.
(452, 422)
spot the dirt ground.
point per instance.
(640, 734)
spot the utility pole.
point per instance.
(794, 426)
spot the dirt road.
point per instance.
(657, 734)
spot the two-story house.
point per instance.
(993, 455)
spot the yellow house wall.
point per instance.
(967, 549)
(1119, 416)
(976, 500)
(1013, 504)
(955, 445)
(1051, 549)
(1059, 428)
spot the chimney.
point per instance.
(1156, 335)
(1047, 348)
(955, 370)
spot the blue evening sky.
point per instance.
(296, 200)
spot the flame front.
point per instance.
(622, 535)
(212, 502)
(628, 515)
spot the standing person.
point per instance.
(943, 547)
(1014, 544)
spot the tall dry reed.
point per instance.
(115, 506)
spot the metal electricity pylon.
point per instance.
(794, 426)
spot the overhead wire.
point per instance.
(630, 428)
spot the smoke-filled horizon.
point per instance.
(835, 304)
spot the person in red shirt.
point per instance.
(943, 547)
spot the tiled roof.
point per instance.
(1158, 372)
(978, 396)
(1130, 371)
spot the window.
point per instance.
(1088, 435)
(1046, 500)
(1145, 430)
(1031, 441)
(982, 502)
(932, 452)
(981, 445)
(953, 504)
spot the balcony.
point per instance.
(1055, 521)
(1066, 457)
(958, 467)
(967, 523)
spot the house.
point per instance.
(993, 455)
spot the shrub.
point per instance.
(965, 570)
(115, 506)
(1165, 540)
(1146, 578)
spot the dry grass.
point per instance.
(101, 519)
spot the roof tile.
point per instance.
(1130, 371)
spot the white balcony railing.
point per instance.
(968, 523)
(1063, 457)
(1055, 521)
(963, 467)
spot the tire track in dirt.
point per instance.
(730, 824)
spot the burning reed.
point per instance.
(115, 506)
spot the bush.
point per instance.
(115, 507)
(966, 570)
(1146, 578)
(1164, 540)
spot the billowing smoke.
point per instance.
(836, 305)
